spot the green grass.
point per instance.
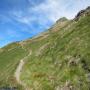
(51, 69)
(9, 59)
(64, 56)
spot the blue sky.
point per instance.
(22, 19)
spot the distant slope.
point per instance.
(60, 58)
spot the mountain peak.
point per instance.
(62, 19)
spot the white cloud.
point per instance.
(44, 12)
(54, 9)
(50, 10)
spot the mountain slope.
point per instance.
(60, 58)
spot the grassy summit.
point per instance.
(59, 59)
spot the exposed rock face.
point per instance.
(82, 13)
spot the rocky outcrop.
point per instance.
(82, 13)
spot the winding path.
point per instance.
(19, 69)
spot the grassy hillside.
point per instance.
(60, 58)
(9, 59)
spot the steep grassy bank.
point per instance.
(62, 60)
